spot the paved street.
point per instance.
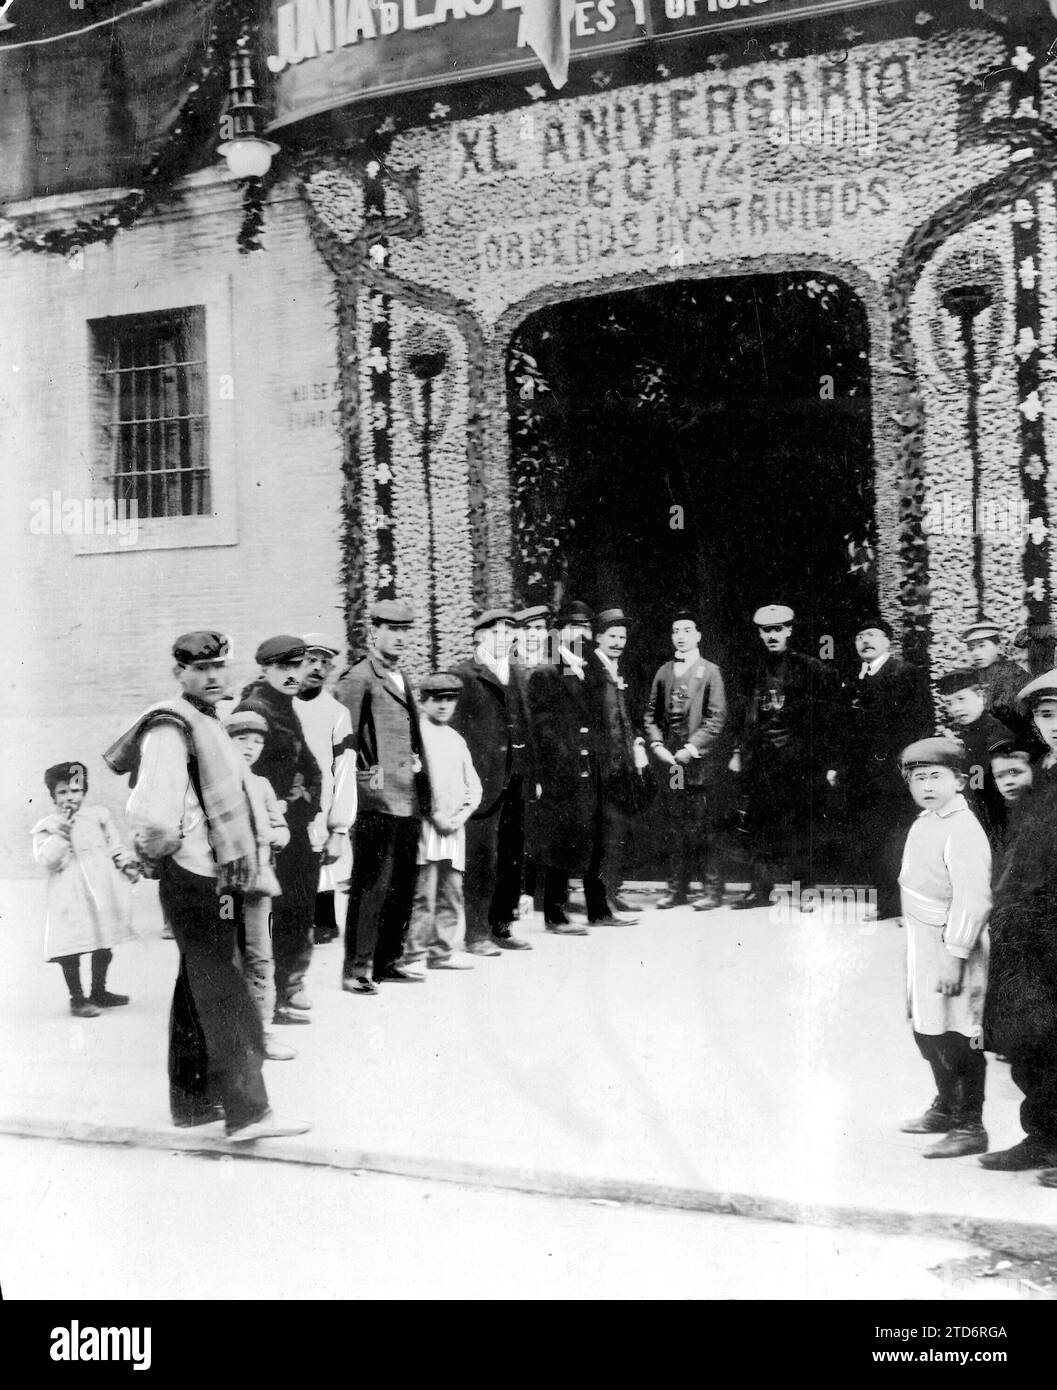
(715, 1060)
(86, 1221)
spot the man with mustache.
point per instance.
(287, 763)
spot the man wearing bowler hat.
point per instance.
(787, 756)
(489, 715)
(286, 761)
(394, 794)
(888, 706)
(621, 762)
(565, 738)
(192, 819)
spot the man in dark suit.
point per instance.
(621, 759)
(489, 717)
(394, 795)
(787, 757)
(685, 716)
(531, 650)
(889, 706)
(566, 746)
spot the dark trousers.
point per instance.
(786, 818)
(381, 892)
(216, 1043)
(1034, 1070)
(603, 877)
(510, 856)
(879, 827)
(959, 1070)
(495, 854)
(71, 970)
(688, 835)
(293, 913)
(555, 893)
(325, 918)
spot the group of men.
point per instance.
(566, 758)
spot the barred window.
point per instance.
(152, 410)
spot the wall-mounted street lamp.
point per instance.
(426, 357)
(247, 153)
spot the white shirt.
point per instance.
(575, 663)
(328, 728)
(611, 667)
(456, 791)
(873, 666)
(500, 668)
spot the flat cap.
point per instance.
(321, 641)
(533, 614)
(491, 616)
(246, 721)
(1006, 746)
(685, 615)
(1043, 687)
(394, 612)
(874, 622)
(983, 627)
(773, 615)
(281, 648)
(610, 617)
(962, 679)
(201, 646)
(441, 683)
(934, 752)
(573, 613)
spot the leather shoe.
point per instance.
(566, 928)
(934, 1121)
(674, 900)
(285, 1015)
(1029, 1153)
(483, 948)
(106, 1000)
(612, 920)
(399, 975)
(966, 1139)
(269, 1126)
(300, 1000)
(707, 901)
(448, 963)
(751, 900)
(511, 943)
(83, 1008)
(359, 984)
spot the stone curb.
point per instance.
(1025, 1240)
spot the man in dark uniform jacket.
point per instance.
(566, 746)
(686, 714)
(621, 759)
(965, 696)
(394, 795)
(489, 715)
(1001, 679)
(889, 706)
(787, 757)
(295, 777)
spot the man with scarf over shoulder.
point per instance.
(192, 819)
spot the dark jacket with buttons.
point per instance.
(565, 739)
(489, 717)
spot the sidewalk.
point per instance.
(705, 1060)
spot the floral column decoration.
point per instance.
(380, 390)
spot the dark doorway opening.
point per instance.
(703, 444)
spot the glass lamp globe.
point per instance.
(248, 157)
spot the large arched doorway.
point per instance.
(698, 443)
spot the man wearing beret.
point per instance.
(686, 714)
(888, 706)
(787, 756)
(565, 738)
(287, 763)
(490, 717)
(329, 733)
(191, 816)
(1001, 678)
(394, 794)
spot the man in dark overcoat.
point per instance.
(787, 757)
(888, 707)
(393, 788)
(566, 747)
(490, 717)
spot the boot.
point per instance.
(101, 997)
(1029, 1153)
(677, 895)
(964, 1137)
(936, 1120)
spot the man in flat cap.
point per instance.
(685, 716)
(490, 717)
(288, 764)
(328, 731)
(965, 696)
(1020, 1012)
(787, 757)
(622, 761)
(1002, 679)
(887, 707)
(394, 795)
(191, 816)
(565, 738)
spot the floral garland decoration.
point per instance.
(233, 21)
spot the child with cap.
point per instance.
(946, 896)
(1020, 1019)
(247, 729)
(438, 922)
(89, 900)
